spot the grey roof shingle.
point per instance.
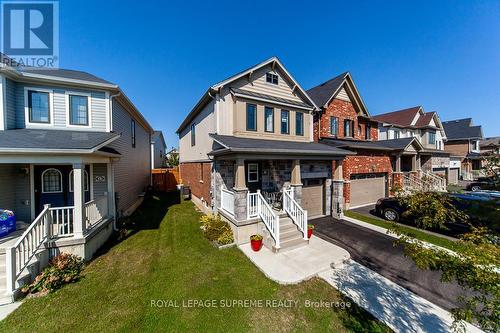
(269, 97)
(355, 144)
(323, 92)
(65, 74)
(52, 139)
(462, 129)
(262, 146)
(396, 143)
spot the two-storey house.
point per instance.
(158, 150)
(247, 151)
(463, 144)
(74, 155)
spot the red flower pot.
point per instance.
(309, 233)
(256, 245)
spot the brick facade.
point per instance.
(198, 176)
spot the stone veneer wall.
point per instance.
(222, 178)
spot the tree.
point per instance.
(475, 264)
(173, 160)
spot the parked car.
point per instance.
(482, 183)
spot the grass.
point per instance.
(165, 257)
(420, 235)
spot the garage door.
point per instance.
(453, 176)
(313, 197)
(367, 188)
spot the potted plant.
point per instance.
(256, 242)
(310, 229)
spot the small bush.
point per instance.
(216, 230)
(256, 237)
(64, 268)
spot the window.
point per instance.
(271, 78)
(396, 134)
(285, 124)
(432, 138)
(251, 117)
(78, 110)
(51, 181)
(39, 107)
(334, 125)
(475, 145)
(360, 130)
(253, 172)
(85, 181)
(299, 123)
(132, 132)
(368, 132)
(193, 134)
(268, 119)
(348, 124)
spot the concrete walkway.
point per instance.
(7, 309)
(397, 307)
(299, 264)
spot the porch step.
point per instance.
(291, 244)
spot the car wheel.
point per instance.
(476, 188)
(391, 215)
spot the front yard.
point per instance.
(166, 258)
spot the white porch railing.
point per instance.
(227, 201)
(412, 183)
(257, 206)
(434, 182)
(95, 211)
(19, 255)
(296, 213)
(62, 221)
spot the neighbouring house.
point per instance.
(379, 165)
(74, 156)
(490, 146)
(158, 150)
(247, 151)
(463, 144)
(172, 154)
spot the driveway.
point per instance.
(377, 252)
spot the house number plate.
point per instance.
(100, 179)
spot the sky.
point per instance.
(443, 55)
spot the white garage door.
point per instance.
(453, 176)
(367, 188)
(313, 197)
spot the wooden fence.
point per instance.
(165, 180)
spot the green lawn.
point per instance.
(167, 258)
(423, 236)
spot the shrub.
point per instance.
(256, 237)
(216, 230)
(63, 268)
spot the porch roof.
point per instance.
(355, 144)
(232, 144)
(35, 140)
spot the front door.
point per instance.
(253, 171)
(53, 186)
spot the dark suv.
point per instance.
(483, 183)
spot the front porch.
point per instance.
(412, 173)
(63, 207)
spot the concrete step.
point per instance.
(287, 227)
(292, 244)
(5, 298)
(290, 235)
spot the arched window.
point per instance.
(51, 181)
(85, 181)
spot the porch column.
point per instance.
(338, 190)
(79, 198)
(111, 189)
(398, 163)
(240, 191)
(296, 181)
(397, 176)
(414, 163)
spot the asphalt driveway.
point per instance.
(377, 252)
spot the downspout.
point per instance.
(113, 170)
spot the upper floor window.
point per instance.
(251, 117)
(285, 122)
(475, 145)
(39, 107)
(397, 134)
(348, 125)
(132, 132)
(268, 119)
(432, 138)
(79, 110)
(334, 125)
(271, 78)
(368, 132)
(193, 134)
(360, 131)
(299, 123)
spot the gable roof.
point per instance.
(490, 142)
(64, 73)
(208, 95)
(402, 117)
(461, 129)
(322, 94)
